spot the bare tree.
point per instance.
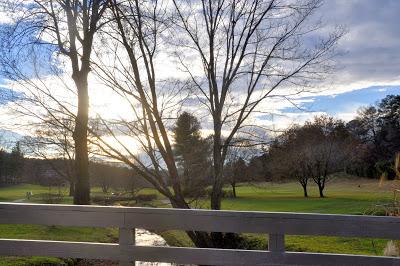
(66, 27)
(134, 37)
(329, 149)
(245, 51)
(236, 168)
(312, 152)
(288, 156)
(52, 141)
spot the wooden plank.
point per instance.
(203, 256)
(59, 249)
(126, 241)
(276, 243)
(202, 220)
(63, 215)
(262, 222)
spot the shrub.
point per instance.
(145, 197)
(195, 192)
(110, 199)
(50, 198)
(225, 193)
(385, 168)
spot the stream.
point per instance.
(146, 238)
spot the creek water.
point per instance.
(147, 238)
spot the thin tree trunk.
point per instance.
(82, 186)
(234, 189)
(321, 190)
(305, 190)
(104, 188)
(71, 188)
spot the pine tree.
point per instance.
(15, 163)
(191, 151)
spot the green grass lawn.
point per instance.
(18, 192)
(344, 197)
(341, 198)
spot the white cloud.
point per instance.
(370, 58)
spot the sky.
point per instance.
(367, 67)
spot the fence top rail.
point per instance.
(201, 220)
(199, 212)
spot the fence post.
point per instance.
(126, 240)
(276, 242)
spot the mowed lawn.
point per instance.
(18, 192)
(342, 197)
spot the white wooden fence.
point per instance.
(275, 225)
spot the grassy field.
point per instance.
(345, 197)
(16, 193)
(342, 197)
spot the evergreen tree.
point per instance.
(3, 158)
(15, 162)
(192, 152)
(389, 120)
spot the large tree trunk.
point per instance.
(321, 192)
(205, 239)
(216, 194)
(200, 239)
(82, 186)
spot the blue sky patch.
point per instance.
(7, 95)
(344, 102)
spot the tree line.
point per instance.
(15, 168)
(365, 146)
(11, 165)
(377, 130)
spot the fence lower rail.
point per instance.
(275, 225)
